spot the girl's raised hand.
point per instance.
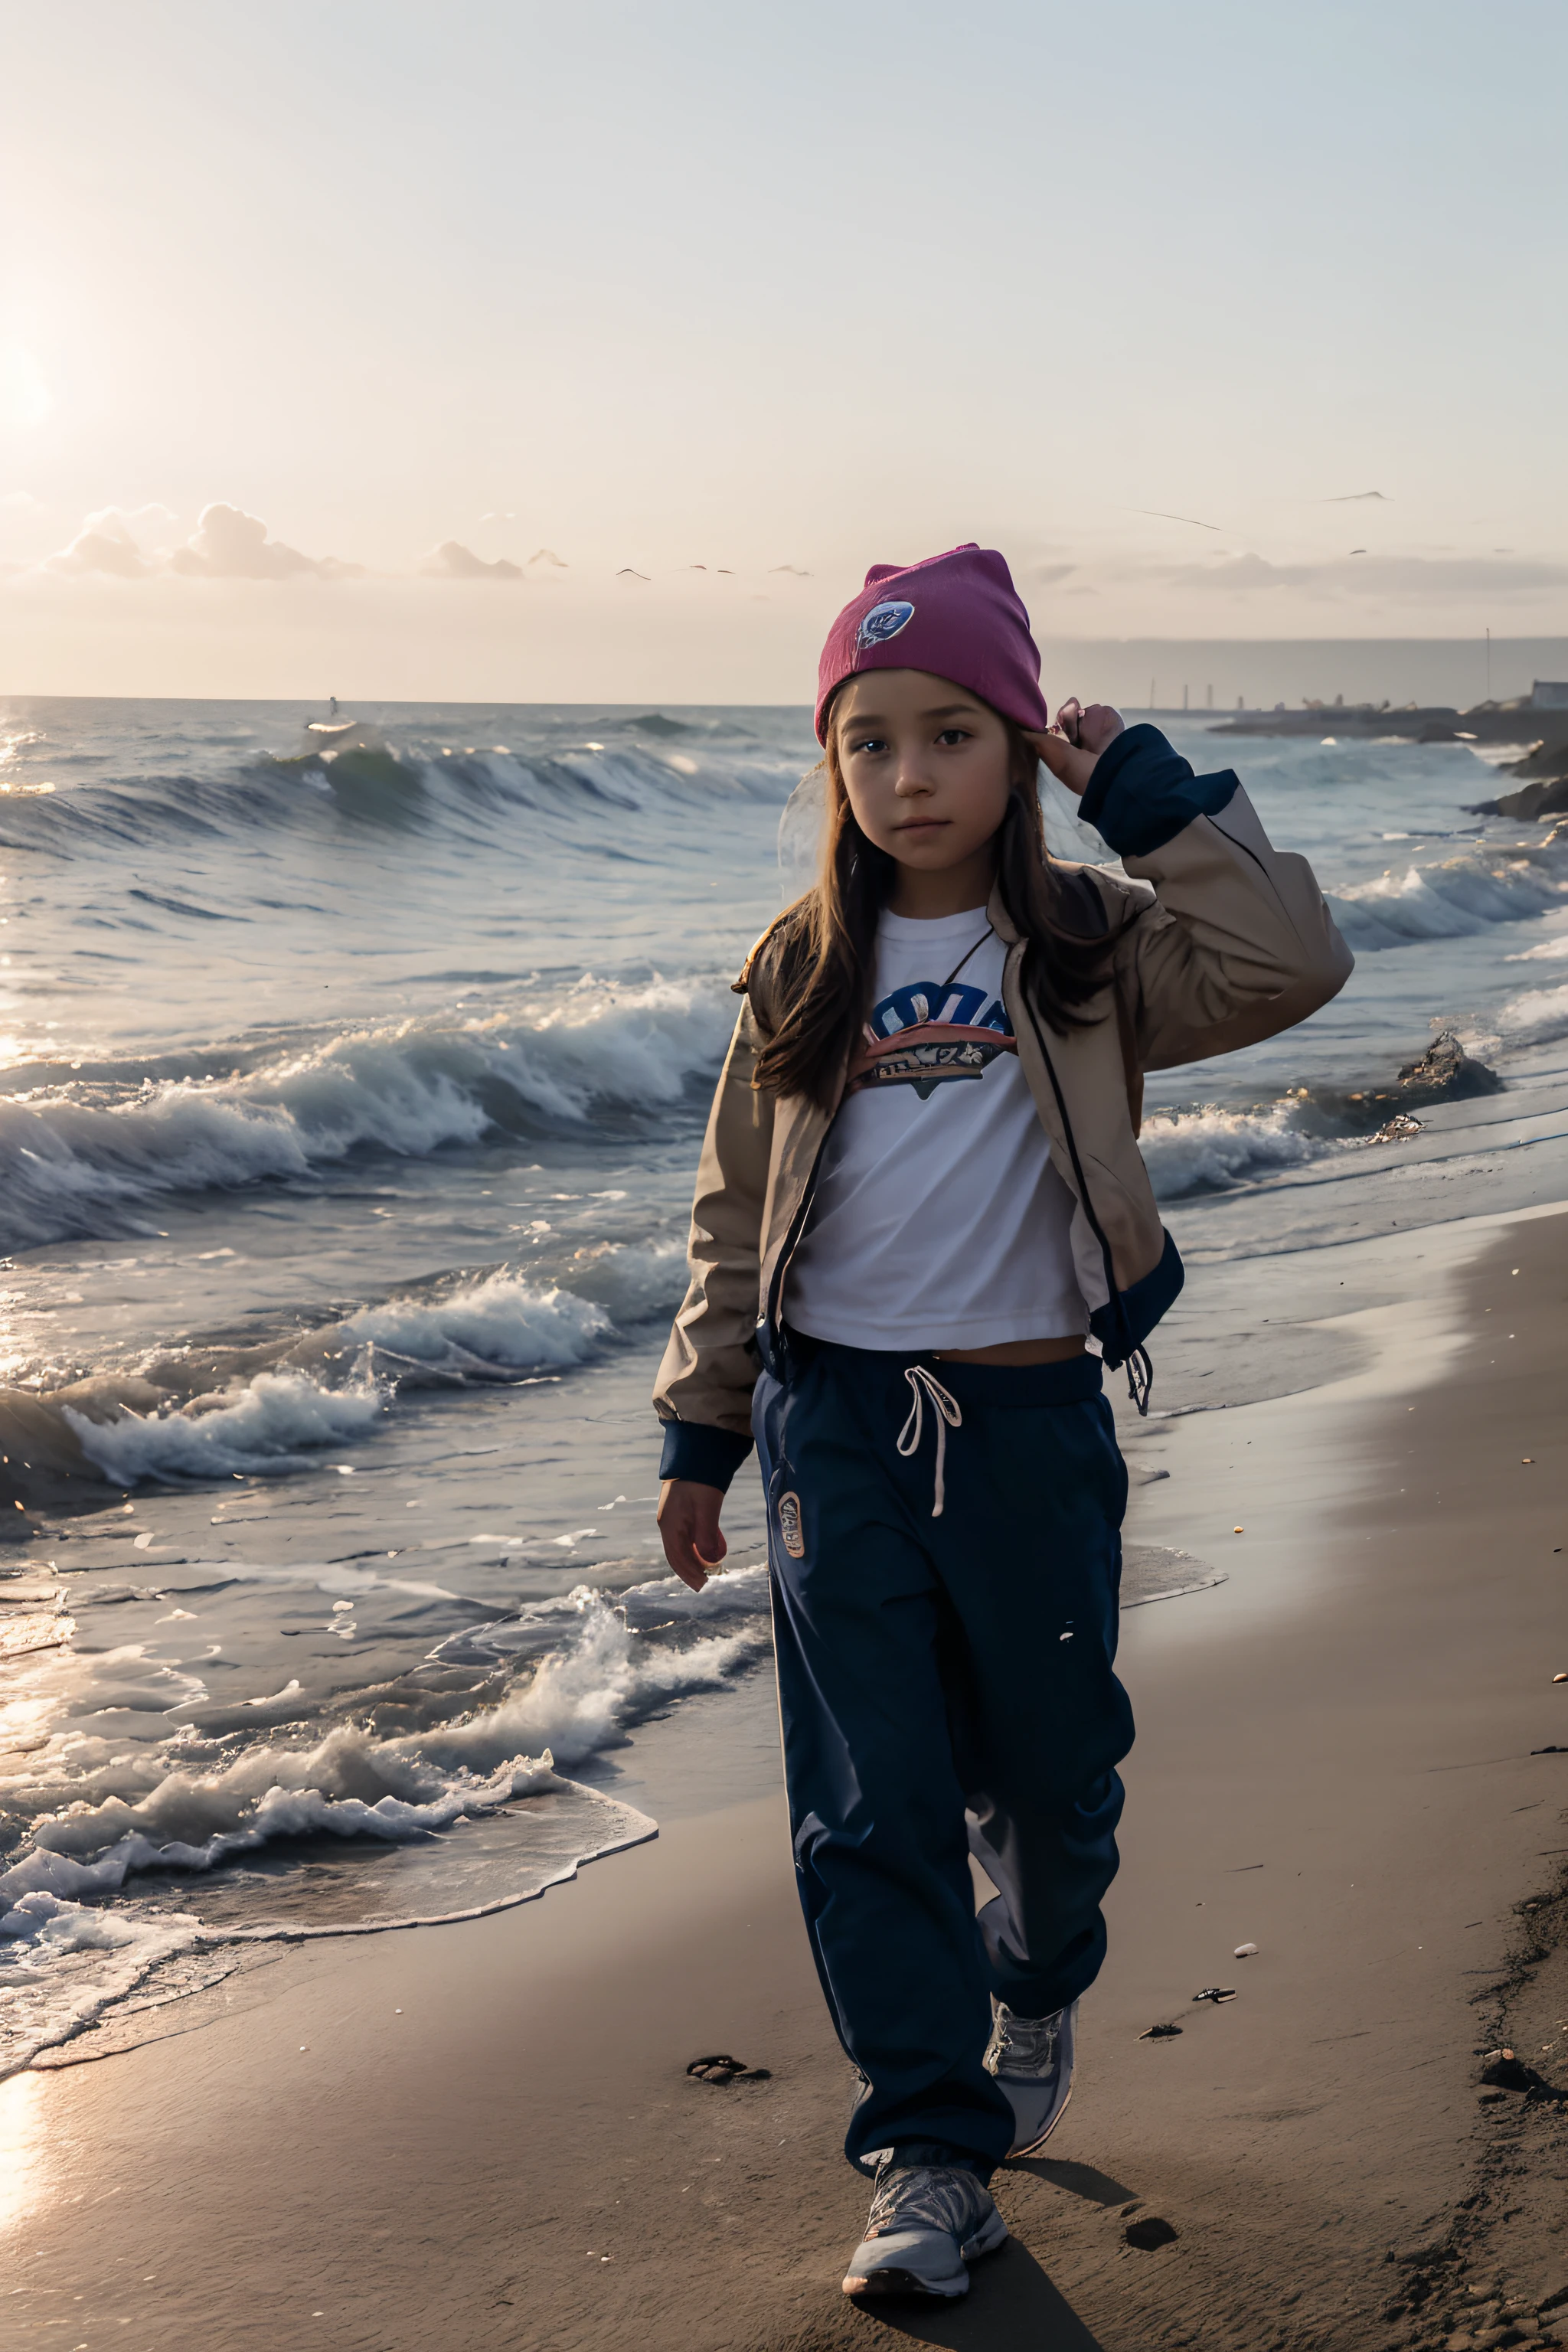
(689, 1523)
(1074, 744)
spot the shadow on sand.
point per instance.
(1012, 2306)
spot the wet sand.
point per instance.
(1334, 1762)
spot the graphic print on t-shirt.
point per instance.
(928, 1032)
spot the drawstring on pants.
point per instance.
(924, 1383)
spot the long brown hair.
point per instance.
(825, 943)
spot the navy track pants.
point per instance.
(945, 1683)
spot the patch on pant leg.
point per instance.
(791, 1532)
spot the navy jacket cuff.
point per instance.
(1142, 792)
(696, 1450)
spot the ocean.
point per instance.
(350, 1093)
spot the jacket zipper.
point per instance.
(1139, 1370)
(791, 1240)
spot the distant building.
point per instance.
(1549, 694)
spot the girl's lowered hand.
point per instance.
(689, 1523)
(1074, 744)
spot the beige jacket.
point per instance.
(1219, 940)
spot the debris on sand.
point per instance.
(1508, 2073)
(1217, 1993)
(1159, 2034)
(1149, 2233)
(725, 2071)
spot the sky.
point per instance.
(518, 352)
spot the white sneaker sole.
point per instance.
(902, 2286)
(1033, 2147)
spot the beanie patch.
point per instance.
(882, 622)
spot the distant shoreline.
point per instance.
(1488, 722)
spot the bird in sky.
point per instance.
(1161, 515)
(626, 573)
(548, 555)
(1354, 497)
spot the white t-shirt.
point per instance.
(938, 1219)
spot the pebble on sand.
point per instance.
(1238, 1531)
(1245, 1952)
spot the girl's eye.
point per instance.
(869, 743)
(953, 735)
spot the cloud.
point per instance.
(20, 502)
(228, 544)
(453, 561)
(1421, 578)
(104, 543)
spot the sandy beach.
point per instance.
(466, 592)
(483, 2134)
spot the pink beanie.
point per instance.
(957, 615)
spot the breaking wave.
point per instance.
(71, 1164)
(268, 1425)
(1456, 900)
(1213, 1150)
(1536, 1018)
(229, 789)
(503, 1327)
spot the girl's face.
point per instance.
(926, 765)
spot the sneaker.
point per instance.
(1031, 2058)
(927, 2221)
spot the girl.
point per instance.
(922, 1227)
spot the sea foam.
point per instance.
(496, 1329)
(584, 1671)
(268, 1425)
(1212, 1151)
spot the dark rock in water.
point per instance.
(1549, 797)
(1542, 759)
(654, 722)
(1445, 1072)
(1149, 2233)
